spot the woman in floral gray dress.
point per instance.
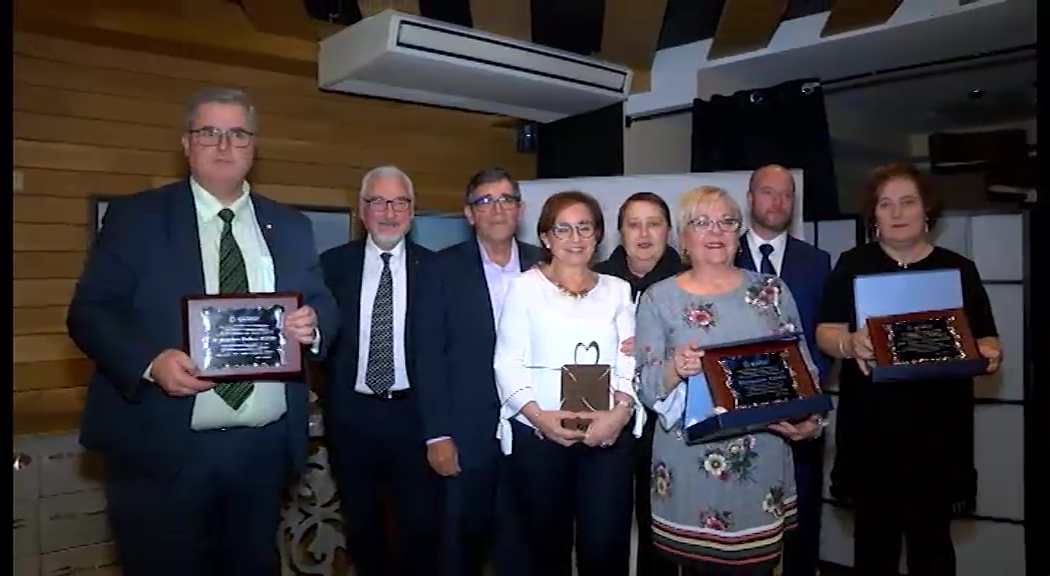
(721, 507)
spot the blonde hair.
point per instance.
(703, 196)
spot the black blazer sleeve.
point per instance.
(431, 381)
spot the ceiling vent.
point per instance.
(405, 57)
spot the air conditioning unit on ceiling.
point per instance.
(414, 59)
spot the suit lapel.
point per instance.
(355, 269)
(411, 277)
(528, 256)
(265, 214)
(791, 269)
(185, 241)
(743, 255)
(479, 283)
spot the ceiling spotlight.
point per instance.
(975, 94)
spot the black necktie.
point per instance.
(379, 375)
(233, 279)
(767, 264)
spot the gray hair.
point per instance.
(490, 176)
(389, 171)
(220, 96)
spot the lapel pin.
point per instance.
(268, 226)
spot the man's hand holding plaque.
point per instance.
(176, 374)
(248, 336)
(301, 325)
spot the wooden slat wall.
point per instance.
(90, 120)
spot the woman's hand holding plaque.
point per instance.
(804, 430)
(549, 424)
(992, 350)
(604, 426)
(688, 360)
(862, 349)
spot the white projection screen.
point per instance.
(612, 191)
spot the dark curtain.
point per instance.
(588, 144)
(1037, 403)
(784, 124)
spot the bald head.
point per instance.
(771, 200)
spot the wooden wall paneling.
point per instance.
(48, 265)
(39, 320)
(281, 18)
(47, 410)
(49, 210)
(90, 120)
(373, 7)
(49, 292)
(79, 184)
(44, 347)
(745, 26)
(45, 375)
(49, 237)
(510, 18)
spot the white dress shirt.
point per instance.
(538, 332)
(373, 269)
(779, 244)
(267, 402)
(498, 277)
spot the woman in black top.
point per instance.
(643, 258)
(904, 451)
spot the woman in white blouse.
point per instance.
(568, 482)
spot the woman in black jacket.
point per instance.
(644, 258)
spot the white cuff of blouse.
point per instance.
(671, 409)
(505, 434)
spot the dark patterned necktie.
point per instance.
(233, 279)
(379, 376)
(767, 264)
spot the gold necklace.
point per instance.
(575, 294)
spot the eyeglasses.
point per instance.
(564, 231)
(724, 224)
(210, 136)
(380, 204)
(490, 202)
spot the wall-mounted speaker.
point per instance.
(527, 133)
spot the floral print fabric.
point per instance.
(726, 502)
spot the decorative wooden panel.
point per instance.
(90, 120)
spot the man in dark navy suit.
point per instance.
(460, 402)
(195, 469)
(371, 403)
(767, 247)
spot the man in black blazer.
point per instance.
(767, 247)
(195, 470)
(370, 400)
(460, 405)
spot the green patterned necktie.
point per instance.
(233, 279)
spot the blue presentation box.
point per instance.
(746, 386)
(917, 325)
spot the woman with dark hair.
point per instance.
(571, 486)
(904, 451)
(644, 258)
